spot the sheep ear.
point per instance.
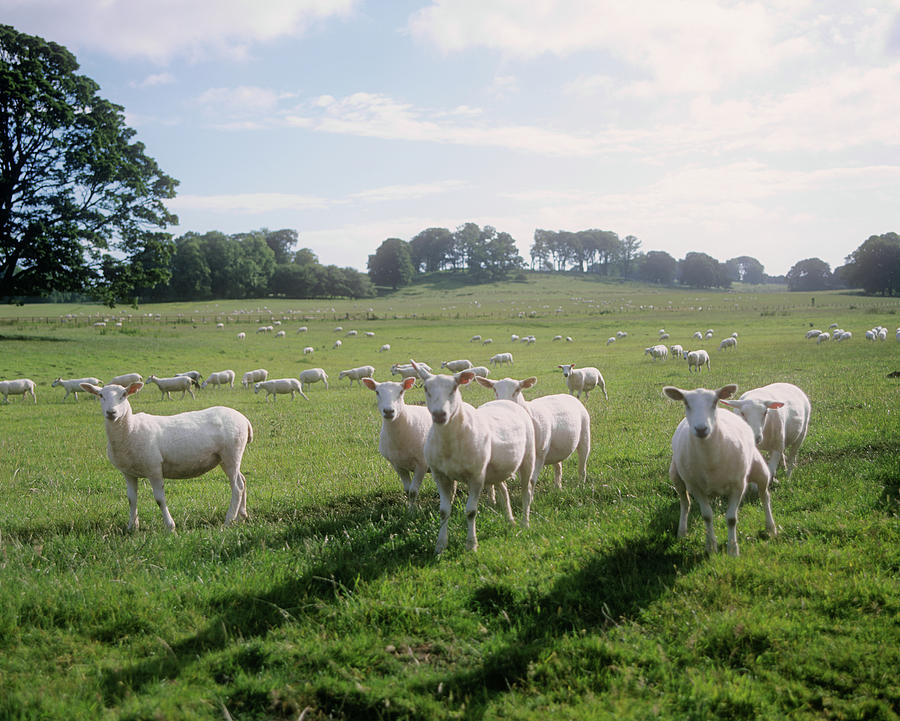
(732, 404)
(528, 382)
(486, 382)
(774, 404)
(408, 383)
(371, 384)
(90, 388)
(133, 388)
(423, 374)
(727, 391)
(676, 394)
(463, 377)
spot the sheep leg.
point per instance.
(413, 491)
(447, 492)
(584, 450)
(475, 487)
(131, 483)
(159, 494)
(731, 514)
(238, 494)
(776, 456)
(191, 391)
(683, 498)
(706, 512)
(527, 477)
(504, 497)
(759, 474)
(557, 474)
(603, 388)
(403, 473)
(302, 394)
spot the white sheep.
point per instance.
(657, 351)
(370, 334)
(126, 379)
(218, 326)
(562, 425)
(713, 454)
(474, 339)
(487, 341)
(611, 339)
(476, 446)
(882, 334)
(73, 385)
(351, 333)
(337, 343)
(557, 337)
(263, 329)
(280, 385)
(254, 376)
(357, 374)
(779, 415)
(513, 338)
(813, 333)
(339, 329)
(313, 375)
(403, 432)
(569, 339)
(241, 335)
(730, 342)
(823, 337)
(280, 334)
(386, 347)
(406, 370)
(219, 378)
(677, 351)
(19, 386)
(185, 445)
(843, 335)
(621, 334)
(583, 379)
(302, 329)
(697, 358)
(455, 366)
(872, 335)
(308, 350)
(193, 375)
(664, 336)
(501, 358)
(480, 371)
(175, 383)
(698, 335)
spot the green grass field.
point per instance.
(329, 602)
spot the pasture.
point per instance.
(329, 603)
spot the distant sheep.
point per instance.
(126, 379)
(697, 359)
(611, 339)
(302, 329)
(280, 386)
(175, 383)
(19, 386)
(241, 335)
(254, 376)
(219, 378)
(193, 375)
(474, 339)
(585, 379)
(455, 366)
(658, 351)
(385, 348)
(730, 342)
(823, 337)
(313, 375)
(501, 358)
(357, 374)
(73, 385)
(337, 344)
(677, 351)
(480, 371)
(308, 350)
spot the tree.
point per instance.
(875, 265)
(81, 204)
(281, 242)
(390, 264)
(809, 274)
(431, 249)
(629, 251)
(657, 266)
(702, 271)
(305, 256)
(190, 271)
(540, 249)
(745, 269)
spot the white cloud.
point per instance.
(155, 80)
(408, 192)
(249, 203)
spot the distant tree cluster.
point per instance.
(253, 265)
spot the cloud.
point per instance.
(249, 203)
(160, 30)
(408, 192)
(155, 80)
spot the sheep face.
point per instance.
(700, 406)
(389, 396)
(442, 393)
(508, 389)
(754, 412)
(113, 398)
(569, 367)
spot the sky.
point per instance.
(769, 129)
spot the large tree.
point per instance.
(746, 269)
(702, 271)
(390, 264)
(810, 274)
(81, 204)
(657, 266)
(875, 265)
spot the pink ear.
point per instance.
(774, 404)
(464, 377)
(134, 388)
(408, 383)
(369, 383)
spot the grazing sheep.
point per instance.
(73, 385)
(302, 329)
(241, 335)
(713, 454)
(513, 338)
(455, 366)
(126, 379)
(621, 334)
(657, 351)
(406, 370)
(697, 358)
(386, 347)
(557, 337)
(480, 371)
(583, 379)
(562, 425)
(339, 329)
(280, 334)
(193, 375)
(677, 351)
(611, 339)
(814, 333)
(263, 329)
(823, 337)
(776, 432)
(872, 335)
(351, 333)
(843, 335)
(476, 446)
(254, 376)
(176, 383)
(280, 385)
(487, 341)
(337, 344)
(474, 339)
(19, 386)
(403, 432)
(185, 445)
(218, 326)
(730, 342)
(501, 358)
(308, 349)
(313, 375)
(664, 336)
(357, 374)
(219, 378)
(569, 339)
(698, 335)
(370, 334)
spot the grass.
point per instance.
(330, 598)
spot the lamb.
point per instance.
(730, 342)
(583, 379)
(403, 432)
(254, 376)
(73, 385)
(713, 453)
(280, 385)
(476, 446)
(697, 358)
(313, 375)
(779, 432)
(19, 386)
(219, 378)
(386, 347)
(501, 358)
(455, 366)
(185, 445)
(657, 351)
(357, 374)
(176, 383)
(562, 425)
(308, 350)
(126, 379)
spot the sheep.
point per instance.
(370, 334)
(487, 341)
(254, 376)
(193, 375)
(308, 350)
(403, 432)
(697, 358)
(357, 374)
(557, 337)
(501, 358)
(844, 335)
(351, 333)
(263, 329)
(280, 334)
(176, 383)
(477, 446)
(337, 343)
(185, 445)
(19, 386)
(513, 338)
(219, 378)
(713, 453)
(664, 336)
(313, 375)
(280, 385)
(823, 337)
(871, 335)
(302, 329)
(583, 379)
(709, 334)
(621, 334)
(657, 351)
(677, 351)
(241, 335)
(562, 425)
(729, 342)
(474, 339)
(126, 379)
(406, 370)
(569, 339)
(455, 366)
(386, 347)
(480, 371)
(73, 385)
(218, 326)
(339, 329)
(611, 339)
(813, 333)
(882, 334)
(779, 432)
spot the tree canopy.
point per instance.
(810, 274)
(875, 265)
(81, 204)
